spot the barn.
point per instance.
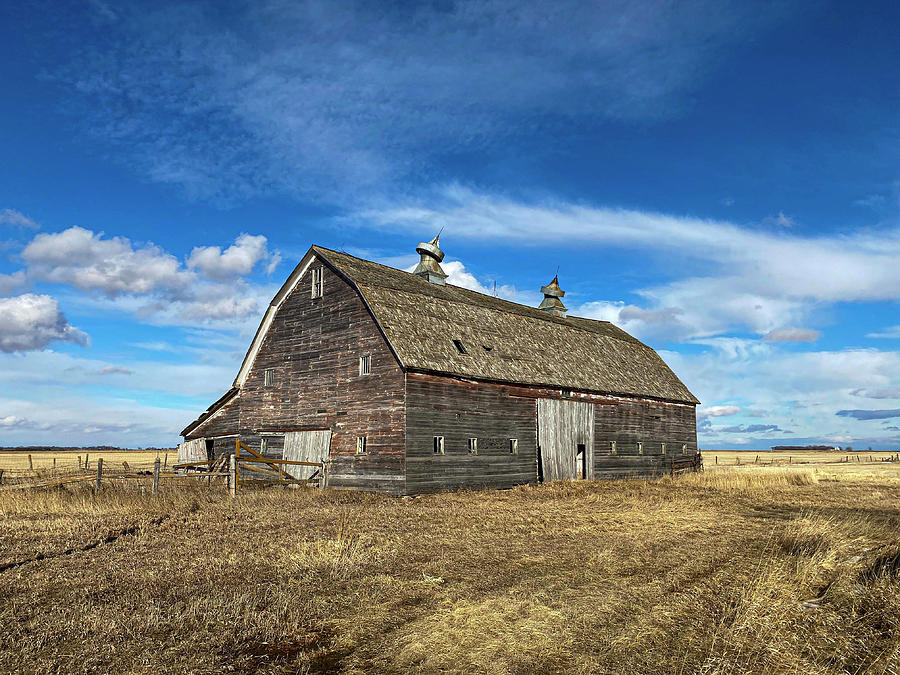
(405, 384)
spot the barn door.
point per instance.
(306, 446)
(565, 439)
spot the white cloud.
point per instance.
(30, 322)
(730, 277)
(17, 219)
(890, 333)
(800, 391)
(718, 411)
(115, 370)
(346, 95)
(237, 260)
(792, 335)
(148, 281)
(10, 282)
(88, 261)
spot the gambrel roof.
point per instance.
(503, 341)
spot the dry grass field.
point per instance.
(15, 463)
(746, 570)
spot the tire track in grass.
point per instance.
(108, 539)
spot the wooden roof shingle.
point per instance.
(504, 341)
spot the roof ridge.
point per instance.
(560, 321)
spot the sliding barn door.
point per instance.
(565, 439)
(306, 446)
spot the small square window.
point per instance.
(438, 447)
(460, 347)
(263, 445)
(663, 448)
(473, 446)
(269, 377)
(612, 448)
(640, 448)
(318, 281)
(361, 445)
(514, 446)
(365, 364)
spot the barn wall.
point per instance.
(649, 422)
(314, 345)
(459, 410)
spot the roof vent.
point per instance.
(429, 267)
(551, 302)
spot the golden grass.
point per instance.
(768, 570)
(15, 463)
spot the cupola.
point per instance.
(551, 302)
(429, 267)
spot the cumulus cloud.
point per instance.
(29, 322)
(87, 260)
(869, 414)
(792, 335)
(17, 219)
(718, 411)
(10, 282)
(151, 282)
(237, 260)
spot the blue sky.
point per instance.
(720, 179)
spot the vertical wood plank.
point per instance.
(232, 475)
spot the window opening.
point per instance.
(318, 281)
(514, 446)
(269, 377)
(365, 364)
(460, 347)
(473, 446)
(361, 445)
(438, 445)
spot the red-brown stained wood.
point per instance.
(314, 346)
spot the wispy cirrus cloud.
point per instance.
(17, 219)
(326, 98)
(731, 276)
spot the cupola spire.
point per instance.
(429, 267)
(551, 302)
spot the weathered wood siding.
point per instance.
(192, 451)
(562, 426)
(306, 446)
(460, 410)
(650, 423)
(313, 346)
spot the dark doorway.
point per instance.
(580, 462)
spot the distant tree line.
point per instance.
(81, 448)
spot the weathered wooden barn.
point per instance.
(406, 384)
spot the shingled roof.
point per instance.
(503, 341)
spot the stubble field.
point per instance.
(745, 569)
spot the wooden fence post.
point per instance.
(156, 476)
(165, 459)
(87, 458)
(79, 462)
(99, 474)
(232, 476)
(1, 476)
(322, 476)
(30, 464)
